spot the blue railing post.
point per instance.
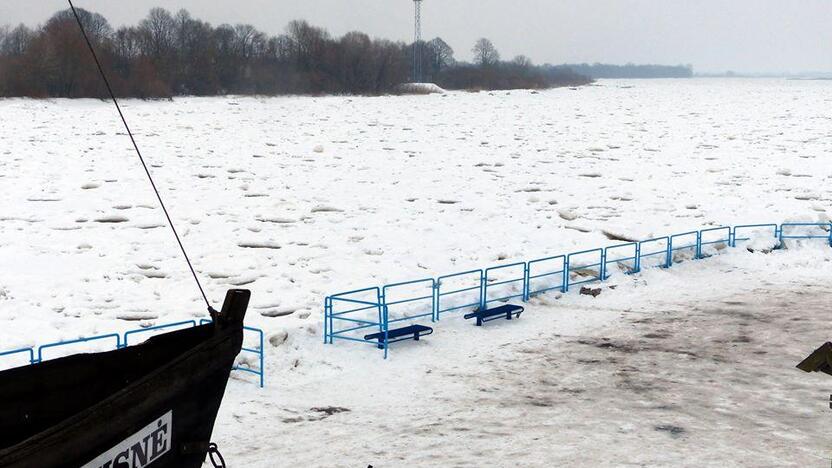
(435, 317)
(566, 268)
(638, 257)
(262, 361)
(385, 324)
(698, 245)
(326, 320)
(830, 234)
(382, 311)
(30, 352)
(603, 265)
(483, 288)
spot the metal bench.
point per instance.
(413, 332)
(507, 312)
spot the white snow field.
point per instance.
(297, 198)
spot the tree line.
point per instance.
(168, 54)
(602, 70)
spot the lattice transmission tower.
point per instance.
(417, 43)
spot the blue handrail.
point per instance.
(623, 260)
(121, 341)
(755, 227)
(127, 334)
(570, 268)
(28, 351)
(695, 247)
(555, 273)
(665, 252)
(487, 283)
(78, 340)
(259, 352)
(662, 247)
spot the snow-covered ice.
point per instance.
(299, 197)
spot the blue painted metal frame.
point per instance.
(427, 281)
(330, 334)
(260, 353)
(440, 294)
(29, 351)
(78, 340)
(127, 334)
(385, 321)
(487, 284)
(618, 261)
(702, 242)
(642, 250)
(783, 227)
(570, 268)
(755, 227)
(665, 252)
(695, 247)
(122, 342)
(531, 276)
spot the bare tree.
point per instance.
(4, 31)
(17, 41)
(96, 25)
(308, 43)
(249, 42)
(485, 53)
(443, 54)
(522, 61)
(159, 29)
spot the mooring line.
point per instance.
(139, 153)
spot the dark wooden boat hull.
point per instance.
(153, 404)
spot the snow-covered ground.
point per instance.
(297, 198)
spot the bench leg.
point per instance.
(508, 316)
(416, 337)
(479, 321)
(381, 343)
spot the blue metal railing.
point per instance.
(682, 242)
(622, 261)
(429, 284)
(122, 341)
(506, 288)
(552, 278)
(128, 334)
(351, 298)
(420, 301)
(737, 231)
(584, 267)
(469, 294)
(27, 351)
(648, 249)
(826, 228)
(259, 351)
(556, 273)
(79, 340)
(706, 238)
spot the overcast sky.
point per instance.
(713, 35)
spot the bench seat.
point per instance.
(507, 311)
(413, 332)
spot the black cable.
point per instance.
(146, 170)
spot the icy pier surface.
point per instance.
(693, 366)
